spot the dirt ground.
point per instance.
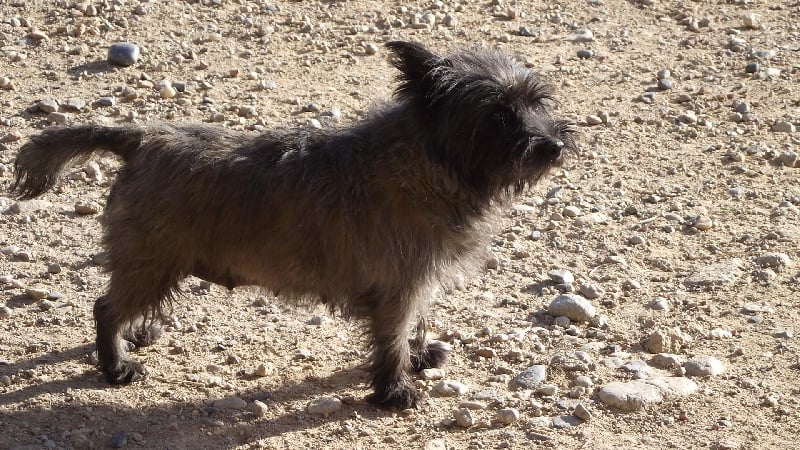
(678, 221)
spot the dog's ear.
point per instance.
(419, 66)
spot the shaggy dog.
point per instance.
(366, 219)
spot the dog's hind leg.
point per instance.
(427, 354)
(143, 332)
(136, 292)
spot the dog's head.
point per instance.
(489, 119)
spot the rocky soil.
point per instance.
(643, 296)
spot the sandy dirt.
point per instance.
(678, 221)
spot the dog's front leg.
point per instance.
(391, 364)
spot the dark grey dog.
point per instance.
(366, 219)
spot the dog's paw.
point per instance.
(398, 397)
(125, 371)
(434, 355)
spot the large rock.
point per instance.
(636, 394)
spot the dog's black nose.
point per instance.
(556, 147)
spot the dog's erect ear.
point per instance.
(417, 64)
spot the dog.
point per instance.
(367, 219)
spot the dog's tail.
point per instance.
(41, 159)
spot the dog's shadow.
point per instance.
(169, 423)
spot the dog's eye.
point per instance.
(502, 117)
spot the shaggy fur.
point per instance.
(366, 219)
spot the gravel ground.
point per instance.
(643, 296)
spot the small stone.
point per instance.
(774, 260)
(580, 36)
(667, 361)
(463, 417)
(507, 416)
(659, 304)
(36, 293)
(247, 111)
(636, 367)
(230, 402)
(575, 307)
(264, 370)
(473, 405)
(522, 209)
(561, 422)
(435, 444)
(371, 49)
(58, 118)
(94, 172)
(591, 219)
(789, 158)
(583, 381)
(688, 117)
(768, 73)
(585, 54)
(591, 291)
(486, 352)
(168, 92)
(5, 380)
(324, 406)
(530, 377)
(259, 409)
(742, 107)
(47, 106)
(593, 120)
(664, 84)
(636, 240)
(582, 413)
(561, 276)
(547, 390)
(670, 340)
(751, 21)
(86, 208)
(783, 334)
(720, 333)
(703, 366)
(74, 105)
(783, 126)
(45, 305)
(432, 374)
(106, 101)
(571, 211)
(37, 35)
(752, 67)
(5, 312)
(562, 321)
(123, 54)
(450, 388)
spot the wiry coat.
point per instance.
(365, 219)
